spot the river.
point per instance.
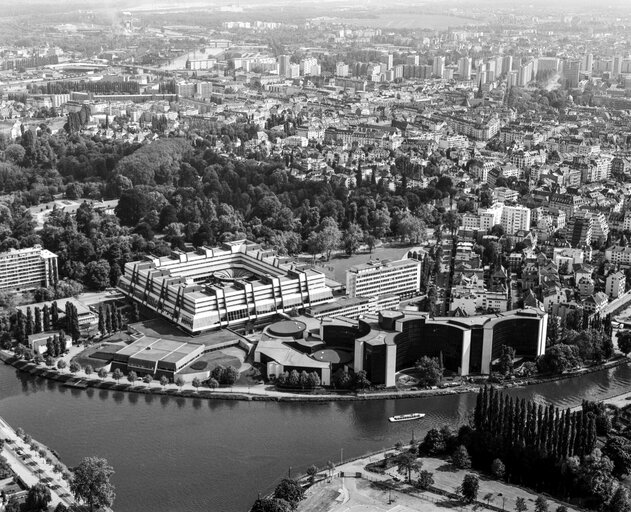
(200, 455)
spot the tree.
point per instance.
(118, 375)
(164, 381)
(434, 442)
(498, 469)
(624, 341)
(520, 505)
(61, 364)
(88, 370)
(101, 325)
(352, 239)
(102, 373)
(289, 490)
(541, 504)
(312, 471)
(91, 483)
(38, 498)
(407, 463)
(61, 507)
(620, 501)
(505, 364)
(75, 367)
(132, 376)
(559, 358)
(271, 505)
(213, 383)
(460, 458)
(197, 382)
(469, 488)
(425, 480)
(411, 228)
(13, 505)
(179, 381)
(361, 380)
(429, 371)
(147, 379)
(561, 508)
(38, 320)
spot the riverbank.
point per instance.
(351, 485)
(33, 462)
(264, 392)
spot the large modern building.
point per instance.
(25, 269)
(382, 277)
(385, 343)
(218, 287)
(394, 340)
(156, 357)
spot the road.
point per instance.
(15, 452)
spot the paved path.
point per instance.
(447, 478)
(27, 473)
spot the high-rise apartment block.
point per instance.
(284, 61)
(438, 67)
(376, 278)
(26, 269)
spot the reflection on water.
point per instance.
(173, 453)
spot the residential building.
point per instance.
(375, 278)
(26, 269)
(615, 284)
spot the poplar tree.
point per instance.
(54, 315)
(101, 325)
(46, 318)
(108, 320)
(30, 324)
(38, 320)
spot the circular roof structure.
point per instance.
(333, 355)
(287, 328)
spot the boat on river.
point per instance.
(406, 417)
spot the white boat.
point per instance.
(406, 417)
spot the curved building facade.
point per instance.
(394, 341)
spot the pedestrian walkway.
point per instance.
(31, 468)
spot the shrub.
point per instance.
(460, 458)
(425, 480)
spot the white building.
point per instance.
(26, 269)
(615, 284)
(515, 218)
(402, 277)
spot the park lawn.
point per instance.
(212, 360)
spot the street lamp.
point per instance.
(503, 499)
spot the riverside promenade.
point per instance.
(31, 467)
(353, 488)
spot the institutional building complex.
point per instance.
(385, 343)
(392, 341)
(218, 287)
(26, 269)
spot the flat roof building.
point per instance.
(402, 277)
(156, 356)
(26, 269)
(218, 287)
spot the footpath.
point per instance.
(31, 467)
(337, 494)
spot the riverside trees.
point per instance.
(91, 483)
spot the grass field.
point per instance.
(226, 357)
